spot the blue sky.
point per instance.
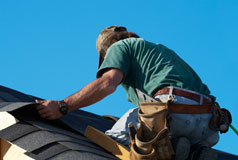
(47, 48)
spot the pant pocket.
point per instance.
(181, 124)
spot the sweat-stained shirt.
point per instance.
(149, 67)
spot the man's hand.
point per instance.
(48, 109)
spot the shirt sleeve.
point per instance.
(117, 56)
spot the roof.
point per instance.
(58, 139)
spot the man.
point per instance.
(152, 68)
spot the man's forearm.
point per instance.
(94, 91)
(90, 94)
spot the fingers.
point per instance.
(40, 107)
(46, 115)
(42, 111)
(50, 116)
(48, 109)
(39, 101)
(42, 104)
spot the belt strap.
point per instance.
(181, 108)
(189, 109)
(182, 93)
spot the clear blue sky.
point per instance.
(47, 48)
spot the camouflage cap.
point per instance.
(105, 33)
(102, 38)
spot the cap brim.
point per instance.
(100, 61)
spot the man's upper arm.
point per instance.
(114, 74)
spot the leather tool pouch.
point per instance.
(221, 119)
(226, 120)
(216, 118)
(152, 138)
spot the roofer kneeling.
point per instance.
(183, 122)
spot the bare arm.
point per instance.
(91, 93)
(96, 90)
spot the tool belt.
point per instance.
(151, 140)
(186, 108)
(221, 117)
(201, 99)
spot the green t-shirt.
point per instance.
(149, 67)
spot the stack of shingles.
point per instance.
(62, 139)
